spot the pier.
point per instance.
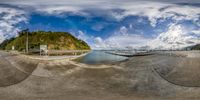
(130, 53)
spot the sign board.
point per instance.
(43, 50)
(13, 47)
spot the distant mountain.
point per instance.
(54, 41)
(195, 47)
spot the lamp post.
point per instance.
(26, 42)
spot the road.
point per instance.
(135, 79)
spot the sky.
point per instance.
(108, 24)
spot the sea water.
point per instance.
(100, 57)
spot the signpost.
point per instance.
(43, 50)
(13, 47)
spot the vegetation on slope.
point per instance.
(5, 42)
(54, 40)
(195, 47)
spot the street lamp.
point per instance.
(26, 40)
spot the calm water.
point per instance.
(100, 57)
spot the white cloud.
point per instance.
(174, 38)
(1, 38)
(8, 20)
(123, 30)
(155, 11)
(93, 3)
(58, 10)
(98, 27)
(120, 40)
(130, 26)
(152, 10)
(99, 43)
(197, 32)
(82, 35)
(85, 37)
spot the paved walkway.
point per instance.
(61, 79)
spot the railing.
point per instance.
(58, 52)
(67, 52)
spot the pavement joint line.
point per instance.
(90, 66)
(162, 77)
(15, 65)
(67, 72)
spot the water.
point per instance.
(100, 57)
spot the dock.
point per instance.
(127, 54)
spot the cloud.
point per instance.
(123, 30)
(154, 11)
(58, 10)
(1, 38)
(121, 39)
(117, 9)
(9, 18)
(98, 27)
(85, 37)
(99, 43)
(120, 42)
(174, 38)
(89, 2)
(197, 32)
(130, 26)
(81, 35)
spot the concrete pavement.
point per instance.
(13, 69)
(139, 78)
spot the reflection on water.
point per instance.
(100, 57)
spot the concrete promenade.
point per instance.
(163, 76)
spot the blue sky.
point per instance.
(107, 24)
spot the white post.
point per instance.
(27, 42)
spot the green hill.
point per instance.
(54, 40)
(195, 47)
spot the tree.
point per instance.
(23, 32)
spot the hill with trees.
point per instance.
(195, 47)
(54, 41)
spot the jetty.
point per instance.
(130, 54)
